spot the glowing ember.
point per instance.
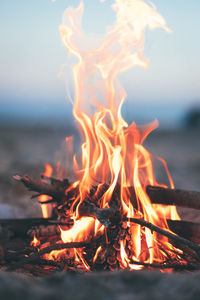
(35, 242)
(46, 208)
(112, 152)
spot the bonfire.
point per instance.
(112, 213)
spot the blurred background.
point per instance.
(35, 111)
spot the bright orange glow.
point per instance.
(46, 208)
(97, 253)
(112, 152)
(35, 242)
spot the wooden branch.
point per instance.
(22, 227)
(185, 229)
(183, 198)
(56, 190)
(46, 250)
(174, 266)
(102, 214)
(168, 234)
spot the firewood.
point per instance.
(112, 217)
(20, 227)
(114, 267)
(157, 195)
(55, 190)
(102, 214)
(111, 260)
(44, 231)
(185, 229)
(39, 227)
(182, 198)
(170, 235)
(175, 266)
(36, 256)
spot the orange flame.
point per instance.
(35, 242)
(46, 208)
(112, 151)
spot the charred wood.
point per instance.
(185, 229)
(170, 235)
(56, 189)
(102, 214)
(48, 227)
(182, 198)
(20, 227)
(37, 256)
(175, 266)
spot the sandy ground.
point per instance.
(122, 285)
(26, 150)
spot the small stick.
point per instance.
(167, 266)
(168, 234)
(46, 262)
(46, 250)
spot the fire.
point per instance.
(35, 242)
(46, 208)
(112, 152)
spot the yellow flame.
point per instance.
(35, 242)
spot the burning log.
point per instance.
(182, 198)
(158, 195)
(111, 257)
(46, 250)
(21, 227)
(175, 266)
(174, 237)
(31, 226)
(56, 189)
(102, 214)
(188, 230)
(61, 194)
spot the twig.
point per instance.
(46, 262)
(167, 266)
(168, 234)
(46, 250)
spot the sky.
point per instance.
(32, 53)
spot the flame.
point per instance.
(112, 152)
(35, 242)
(46, 208)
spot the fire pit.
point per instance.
(115, 214)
